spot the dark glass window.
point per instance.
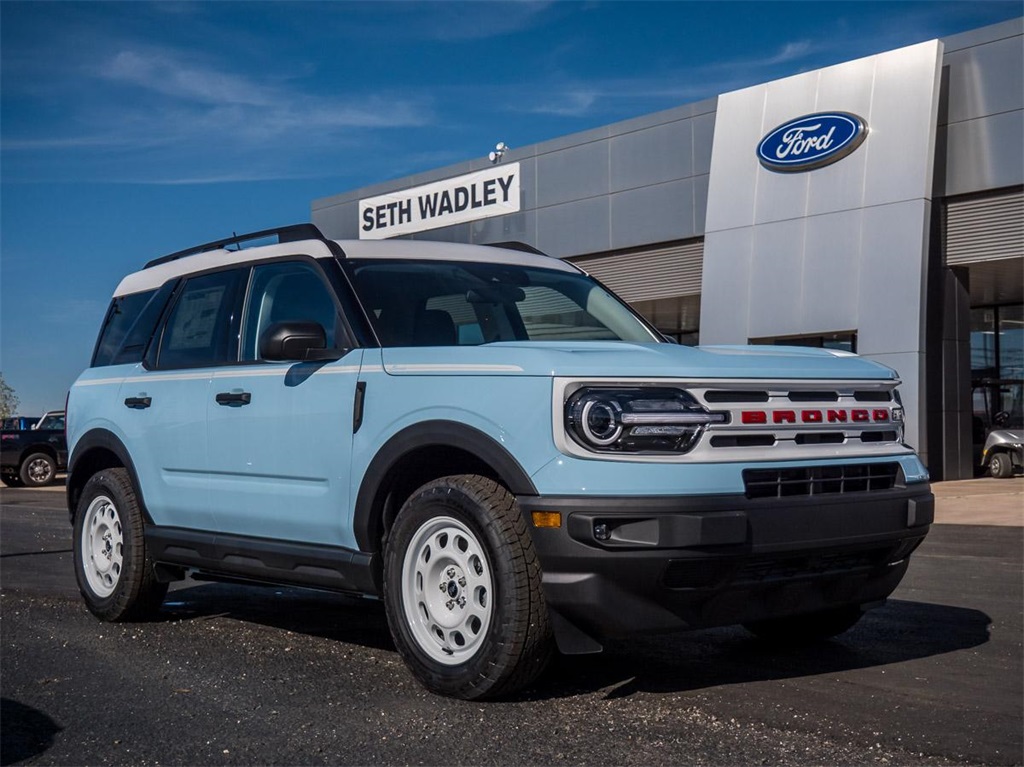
(202, 327)
(122, 314)
(442, 303)
(137, 340)
(284, 292)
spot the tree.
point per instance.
(8, 399)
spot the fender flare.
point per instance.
(366, 519)
(106, 440)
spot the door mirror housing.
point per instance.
(295, 341)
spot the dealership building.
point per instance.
(874, 206)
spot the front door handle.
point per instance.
(234, 399)
(138, 403)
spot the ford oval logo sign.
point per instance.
(811, 141)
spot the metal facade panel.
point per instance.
(652, 214)
(982, 154)
(574, 228)
(894, 241)
(666, 272)
(830, 289)
(651, 156)
(573, 174)
(985, 228)
(986, 79)
(703, 136)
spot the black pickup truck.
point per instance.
(32, 457)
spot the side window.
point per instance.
(282, 292)
(203, 322)
(121, 315)
(135, 342)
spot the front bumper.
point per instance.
(640, 564)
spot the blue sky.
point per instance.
(130, 130)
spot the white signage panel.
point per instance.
(485, 193)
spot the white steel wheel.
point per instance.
(114, 571)
(462, 590)
(447, 590)
(102, 546)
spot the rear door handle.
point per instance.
(138, 403)
(234, 399)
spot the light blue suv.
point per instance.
(484, 438)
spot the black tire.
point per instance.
(114, 571)
(810, 627)
(1000, 465)
(473, 533)
(37, 470)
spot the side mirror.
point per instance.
(296, 342)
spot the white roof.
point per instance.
(155, 276)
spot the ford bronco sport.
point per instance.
(487, 440)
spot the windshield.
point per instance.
(441, 303)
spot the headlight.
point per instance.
(640, 420)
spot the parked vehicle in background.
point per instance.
(487, 440)
(32, 457)
(52, 420)
(1002, 453)
(19, 422)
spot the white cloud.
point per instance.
(174, 76)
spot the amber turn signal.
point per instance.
(546, 518)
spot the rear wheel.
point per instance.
(811, 627)
(38, 470)
(1000, 465)
(114, 571)
(462, 587)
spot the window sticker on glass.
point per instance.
(195, 320)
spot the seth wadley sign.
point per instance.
(485, 193)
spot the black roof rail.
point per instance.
(292, 233)
(515, 245)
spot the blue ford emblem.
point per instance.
(811, 141)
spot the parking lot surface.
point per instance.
(247, 675)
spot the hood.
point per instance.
(618, 358)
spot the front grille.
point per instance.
(820, 480)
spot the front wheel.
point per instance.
(114, 571)
(1000, 465)
(811, 627)
(462, 587)
(38, 470)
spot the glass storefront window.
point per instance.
(997, 364)
(983, 343)
(1011, 341)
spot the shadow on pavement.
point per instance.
(301, 611)
(26, 732)
(898, 632)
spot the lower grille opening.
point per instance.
(783, 567)
(820, 480)
(821, 438)
(706, 574)
(878, 436)
(743, 440)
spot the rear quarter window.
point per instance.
(124, 311)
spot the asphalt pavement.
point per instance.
(249, 675)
